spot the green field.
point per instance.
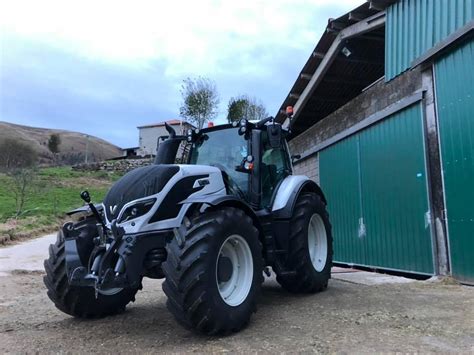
(54, 192)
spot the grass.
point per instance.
(55, 191)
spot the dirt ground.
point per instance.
(348, 317)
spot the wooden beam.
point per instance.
(376, 6)
(316, 54)
(354, 16)
(337, 25)
(305, 76)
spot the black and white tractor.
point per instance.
(210, 228)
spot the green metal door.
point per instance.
(454, 76)
(394, 193)
(339, 177)
(375, 183)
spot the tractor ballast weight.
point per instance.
(210, 228)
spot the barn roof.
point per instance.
(349, 57)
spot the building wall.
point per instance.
(369, 102)
(309, 167)
(455, 99)
(148, 137)
(414, 26)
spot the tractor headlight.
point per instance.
(137, 210)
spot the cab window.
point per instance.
(274, 168)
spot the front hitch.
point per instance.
(105, 267)
(120, 263)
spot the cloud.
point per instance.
(106, 67)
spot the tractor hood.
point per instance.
(136, 184)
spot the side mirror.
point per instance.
(246, 166)
(274, 135)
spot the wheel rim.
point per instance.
(235, 290)
(317, 242)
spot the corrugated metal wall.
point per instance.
(414, 26)
(376, 185)
(454, 77)
(339, 174)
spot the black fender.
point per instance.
(86, 210)
(303, 186)
(226, 201)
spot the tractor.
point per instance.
(210, 228)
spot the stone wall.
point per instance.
(308, 167)
(122, 166)
(373, 100)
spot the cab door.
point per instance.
(275, 166)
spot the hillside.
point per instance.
(72, 148)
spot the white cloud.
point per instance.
(91, 65)
(192, 35)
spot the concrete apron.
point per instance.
(366, 278)
(28, 255)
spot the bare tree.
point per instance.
(15, 154)
(247, 107)
(23, 182)
(18, 161)
(200, 100)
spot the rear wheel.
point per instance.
(77, 301)
(310, 247)
(214, 275)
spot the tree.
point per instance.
(23, 182)
(16, 155)
(18, 161)
(200, 100)
(53, 143)
(247, 107)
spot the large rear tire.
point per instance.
(214, 275)
(79, 301)
(310, 247)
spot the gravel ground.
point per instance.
(348, 317)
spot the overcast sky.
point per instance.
(106, 67)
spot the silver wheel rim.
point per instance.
(235, 291)
(317, 242)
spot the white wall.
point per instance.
(148, 138)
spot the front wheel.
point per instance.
(79, 301)
(310, 247)
(214, 275)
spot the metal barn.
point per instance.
(384, 121)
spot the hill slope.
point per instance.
(72, 148)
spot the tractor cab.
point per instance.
(252, 156)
